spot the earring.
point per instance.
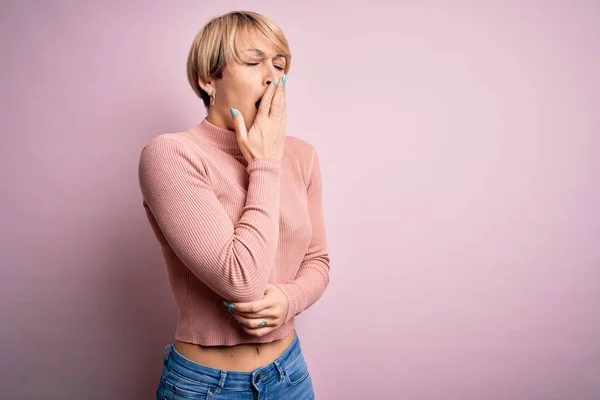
(212, 99)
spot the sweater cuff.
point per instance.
(294, 295)
(264, 164)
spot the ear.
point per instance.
(208, 86)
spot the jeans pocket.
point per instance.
(296, 371)
(175, 388)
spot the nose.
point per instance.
(271, 73)
(269, 78)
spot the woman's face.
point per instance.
(243, 85)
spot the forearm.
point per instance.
(308, 286)
(233, 261)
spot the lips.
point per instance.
(257, 103)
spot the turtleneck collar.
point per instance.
(223, 139)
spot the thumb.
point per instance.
(239, 124)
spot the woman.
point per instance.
(236, 207)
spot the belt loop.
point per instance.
(279, 369)
(165, 356)
(221, 382)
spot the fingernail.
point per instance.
(276, 82)
(240, 324)
(284, 79)
(230, 310)
(233, 112)
(228, 304)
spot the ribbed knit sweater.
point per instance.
(227, 228)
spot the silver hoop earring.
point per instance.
(212, 99)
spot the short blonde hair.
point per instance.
(222, 40)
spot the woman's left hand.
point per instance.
(263, 316)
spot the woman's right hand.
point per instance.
(267, 134)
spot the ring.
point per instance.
(263, 323)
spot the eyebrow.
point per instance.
(262, 53)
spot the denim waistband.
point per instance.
(231, 380)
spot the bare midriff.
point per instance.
(241, 357)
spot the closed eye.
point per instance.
(276, 66)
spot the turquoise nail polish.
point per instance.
(276, 82)
(233, 112)
(228, 304)
(284, 79)
(230, 310)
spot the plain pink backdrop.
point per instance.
(460, 154)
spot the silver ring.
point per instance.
(263, 323)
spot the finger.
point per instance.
(265, 102)
(278, 102)
(283, 120)
(261, 314)
(253, 307)
(239, 124)
(266, 313)
(254, 323)
(258, 332)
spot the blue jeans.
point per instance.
(286, 378)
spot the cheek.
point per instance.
(243, 96)
(249, 116)
(245, 85)
(241, 91)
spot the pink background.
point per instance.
(459, 145)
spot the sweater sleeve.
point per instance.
(233, 261)
(313, 275)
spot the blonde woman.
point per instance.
(236, 207)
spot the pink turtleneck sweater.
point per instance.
(227, 228)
